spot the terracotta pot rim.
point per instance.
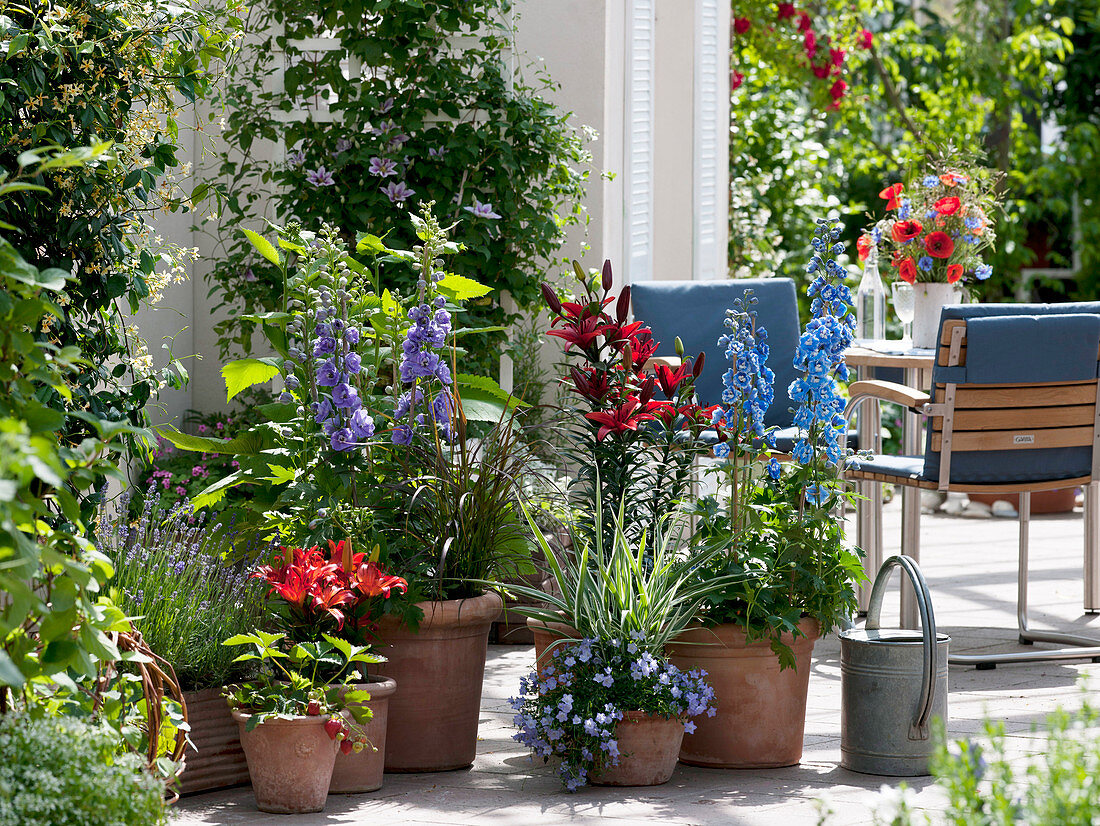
(451, 613)
(710, 637)
(562, 627)
(379, 687)
(305, 720)
(635, 715)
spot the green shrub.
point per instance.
(63, 772)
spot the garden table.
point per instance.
(917, 367)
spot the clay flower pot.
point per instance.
(362, 772)
(546, 634)
(433, 718)
(761, 715)
(290, 762)
(217, 760)
(648, 748)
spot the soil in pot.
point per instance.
(362, 772)
(761, 710)
(648, 748)
(290, 763)
(433, 718)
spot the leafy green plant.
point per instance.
(64, 772)
(437, 113)
(178, 574)
(306, 679)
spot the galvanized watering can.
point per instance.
(893, 682)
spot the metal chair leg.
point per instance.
(1085, 648)
(1092, 548)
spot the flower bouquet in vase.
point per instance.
(940, 227)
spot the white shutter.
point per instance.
(711, 139)
(638, 135)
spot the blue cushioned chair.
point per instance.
(1014, 408)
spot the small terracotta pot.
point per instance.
(290, 762)
(648, 748)
(362, 772)
(761, 717)
(433, 718)
(547, 635)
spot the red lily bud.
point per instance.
(623, 306)
(551, 298)
(608, 280)
(697, 368)
(628, 358)
(648, 390)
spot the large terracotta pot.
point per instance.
(433, 718)
(290, 762)
(1042, 501)
(362, 772)
(217, 759)
(648, 747)
(761, 716)
(929, 300)
(547, 635)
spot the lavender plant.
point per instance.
(174, 574)
(572, 708)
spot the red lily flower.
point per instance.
(582, 333)
(643, 347)
(670, 379)
(591, 383)
(572, 311)
(616, 421)
(371, 582)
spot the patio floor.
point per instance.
(970, 565)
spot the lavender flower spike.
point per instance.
(397, 192)
(382, 167)
(320, 177)
(481, 210)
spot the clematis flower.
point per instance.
(948, 206)
(939, 244)
(382, 167)
(397, 191)
(480, 210)
(320, 177)
(891, 195)
(620, 419)
(907, 271)
(903, 231)
(954, 273)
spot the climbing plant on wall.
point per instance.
(383, 104)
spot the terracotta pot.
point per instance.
(761, 715)
(546, 634)
(648, 747)
(433, 718)
(217, 759)
(290, 762)
(1042, 501)
(929, 299)
(362, 772)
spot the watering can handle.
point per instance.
(918, 729)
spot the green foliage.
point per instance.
(78, 72)
(62, 772)
(439, 102)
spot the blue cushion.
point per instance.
(696, 311)
(903, 467)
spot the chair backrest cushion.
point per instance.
(1013, 420)
(696, 311)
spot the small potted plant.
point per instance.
(609, 702)
(296, 715)
(312, 595)
(791, 576)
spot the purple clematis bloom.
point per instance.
(437, 152)
(295, 159)
(386, 106)
(481, 210)
(382, 167)
(397, 192)
(342, 146)
(320, 177)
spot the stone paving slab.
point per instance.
(971, 568)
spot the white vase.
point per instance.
(929, 299)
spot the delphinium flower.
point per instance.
(571, 708)
(820, 358)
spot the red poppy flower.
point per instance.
(948, 206)
(786, 10)
(907, 271)
(954, 273)
(863, 246)
(741, 25)
(865, 39)
(618, 420)
(890, 195)
(903, 231)
(939, 245)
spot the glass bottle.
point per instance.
(871, 300)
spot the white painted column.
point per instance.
(638, 155)
(710, 184)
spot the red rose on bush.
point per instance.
(948, 206)
(939, 244)
(741, 25)
(890, 195)
(908, 271)
(865, 39)
(837, 91)
(954, 273)
(906, 230)
(804, 22)
(786, 10)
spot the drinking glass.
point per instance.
(905, 307)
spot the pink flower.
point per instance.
(741, 25)
(181, 490)
(865, 39)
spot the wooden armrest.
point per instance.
(888, 391)
(671, 362)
